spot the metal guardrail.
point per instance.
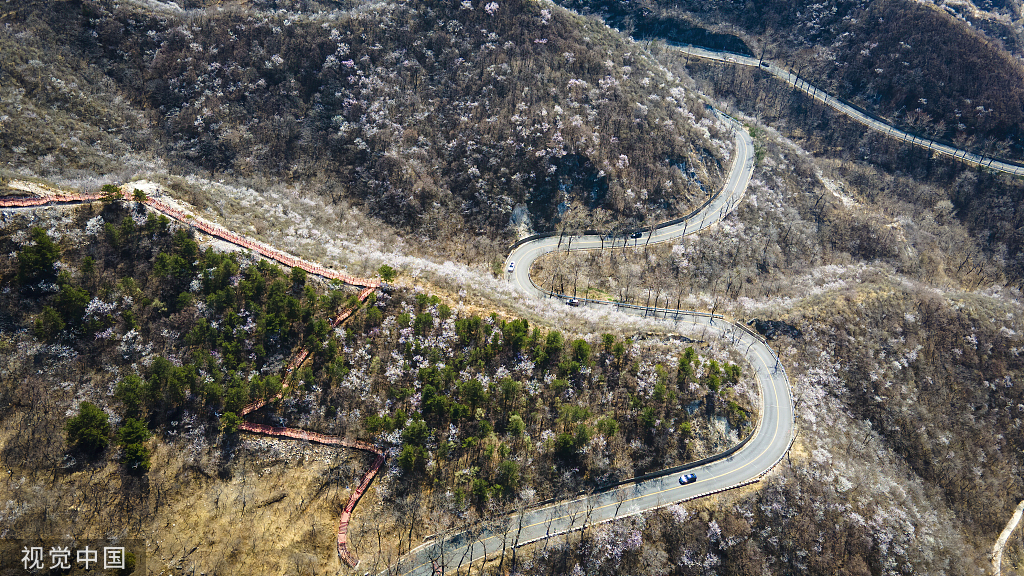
(531, 238)
(778, 361)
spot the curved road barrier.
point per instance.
(855, 113)
(280, 432)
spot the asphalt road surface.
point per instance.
(719, 206)
(836, 104)
(757, 456)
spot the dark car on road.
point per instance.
(687, 479)
(637, 234)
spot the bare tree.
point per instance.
(621, 497)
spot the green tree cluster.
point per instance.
(36, 260)
(132, 437)
(89, 431)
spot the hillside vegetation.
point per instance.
(931, 70)
(152, 345)
(437, 118)
(906, 370)
(426, 136)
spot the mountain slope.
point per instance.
(435, 117)
(928, 68)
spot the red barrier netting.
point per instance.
(281, 432)
(259, 247)
(55, 199)
(369, 285)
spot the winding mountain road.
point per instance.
(524, 255)
(755, 457)
(739, 466)
(849, 110)
(745, 464)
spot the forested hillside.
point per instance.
(438, 118)
(150, 346)
(427, 136)
(953, 74)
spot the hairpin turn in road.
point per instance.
(756, 456)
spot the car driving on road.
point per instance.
(687, 479)
(637, 234)
(511, 267)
